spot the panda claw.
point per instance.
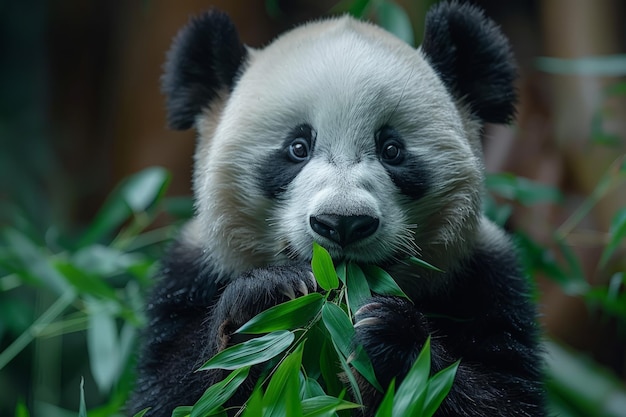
(313, 281)
(302, 287)
(368, 321)
(289, 292)
(367, 308)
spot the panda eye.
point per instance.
(390, 146)
(391, 153)
(299, 150)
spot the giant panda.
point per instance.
(339, 133)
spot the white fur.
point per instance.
(346, 79)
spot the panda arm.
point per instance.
(176, 336)
(191, 318)
(485, 320)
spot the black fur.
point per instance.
(206, 57)
(473, 59)
(409, 174)
(191, 317)
(484, 318)
(277, 170)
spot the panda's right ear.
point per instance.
(205, 58)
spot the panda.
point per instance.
(341, 134)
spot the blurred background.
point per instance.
(92, 184)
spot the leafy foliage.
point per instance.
(290, 388)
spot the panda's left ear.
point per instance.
(205, 59)
(473, 58)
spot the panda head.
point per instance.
(341, 134)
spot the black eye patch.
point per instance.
(407, 171)
(278, 169)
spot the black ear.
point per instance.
(205, 58)
(473, 58)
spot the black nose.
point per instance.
(343, 229)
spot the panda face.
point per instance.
(337, 133)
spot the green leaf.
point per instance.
(35, 266)
(21, 410)
(216, 395)
(341, 272)
(324, 405)
(85, 283)
(145, 188)
(311, 388)
(438, 387)
(135, 194)
(385, 409)
(347, 372)
(182, 411)
(251, 352)
(104, 260)
(142, 412)
(339, 326)
(617, 233)
(330, 368)
(286, 316)
(423, 264)
(381, 282)
(254, 405)
(521, 189)
(606, 66)
(361, 362)
(282, 395)
(82, 408)
(411, 394)
(103, 346)
(356, 286)
(393, 18)
(323, 269)
(356, 8)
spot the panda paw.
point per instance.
(256, 291)
(392, 331)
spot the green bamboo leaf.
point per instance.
(324, 405)
(286, 316)
(142, 412)
(82, 408)
(135, 194)
(251, 352)
(411, 394)
(282, 395)
(34, 264)
(309, 387)
(323, 268)
(341, 272)
(381, 282)
(617, 233)
(21, 410)
(361, 362)
(385, 409)
(358, 290)
(103, 345)
(330, 368)
(347, 372)
(339, 326)
(424, 264)
(144, 188)
(254, 405)
(439, 386)
(393, 18)
(216, 395)
(86, 283)
(356, 8)
(182, 411)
